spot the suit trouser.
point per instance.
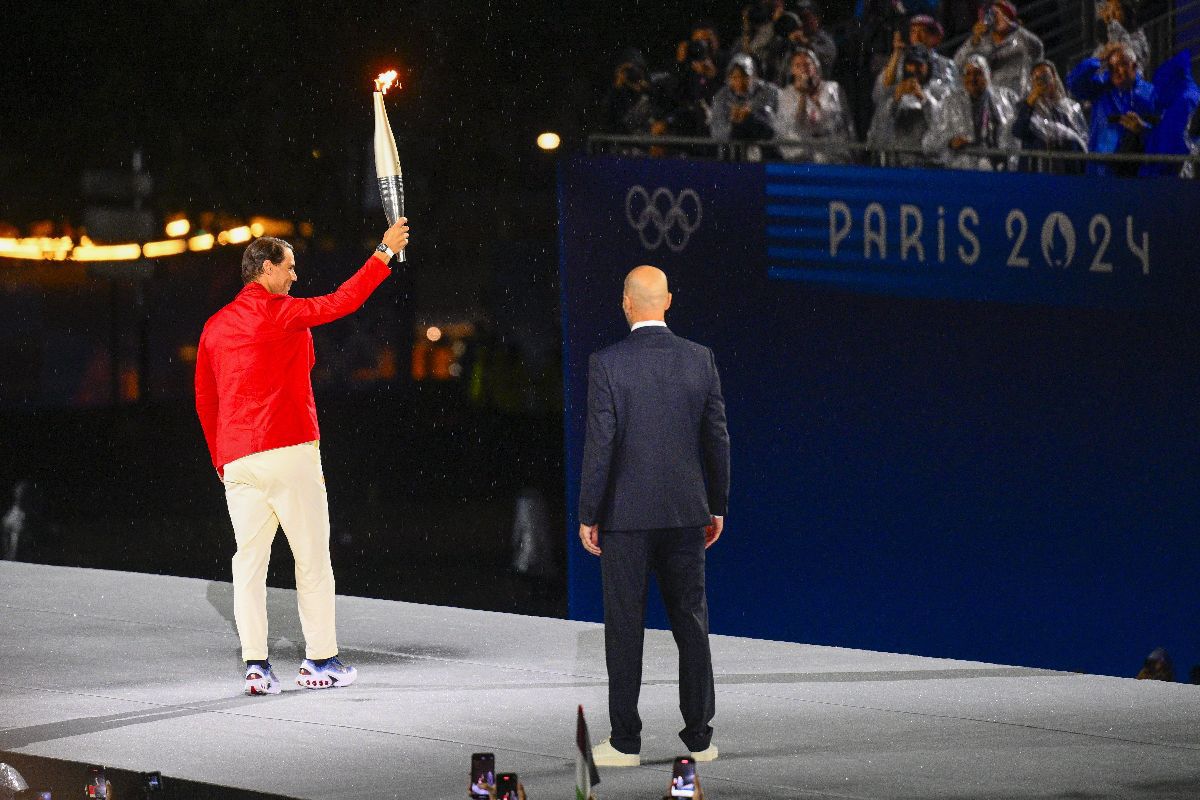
(676, 555)
(264, 491)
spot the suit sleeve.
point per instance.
(714, 444)
(207, 400)
(598, 444)
(298, 313)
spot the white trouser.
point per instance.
(265, 490)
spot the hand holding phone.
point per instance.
(483, 775)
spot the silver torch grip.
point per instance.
(387, 167)
(391, 193)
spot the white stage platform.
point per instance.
(141, 672)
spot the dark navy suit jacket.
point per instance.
(657, 449)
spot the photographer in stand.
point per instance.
(1124, 106)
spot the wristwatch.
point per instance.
(387, 251)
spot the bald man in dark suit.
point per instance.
(653, 496)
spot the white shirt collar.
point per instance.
(657, 323)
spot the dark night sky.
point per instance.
(229, 101)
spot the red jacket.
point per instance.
(253, 389)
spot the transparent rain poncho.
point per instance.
(1010, 60)
(985, 122)
(1060, 122)
(913, 123)
(821, 117)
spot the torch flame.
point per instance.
(385, 81)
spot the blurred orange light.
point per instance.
(202, 242)
(549, 141)
(238, 235)
(433, 333)
(107, 252)
(168, 247)
(178, 227)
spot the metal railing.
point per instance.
(861, 153)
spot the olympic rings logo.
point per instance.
(660, 216)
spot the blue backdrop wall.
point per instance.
(963, 407)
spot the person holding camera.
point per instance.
(1124, 106)
(980, 115)
(627, 106)
(745, 109)
(923, 30)
(814, 110)
(1049, 120)
(798, 30)
(696, 85)
(913, 116)
(1010, 49)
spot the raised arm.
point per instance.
(1088, 80)
(297, 313)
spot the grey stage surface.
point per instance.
(140, 672)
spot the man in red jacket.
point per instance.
(255, 401)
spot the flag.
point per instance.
(586, 775)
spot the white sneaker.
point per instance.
(605, 755)
(707, 754)
(334, 673)
(262, 681)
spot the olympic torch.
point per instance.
(387, 160)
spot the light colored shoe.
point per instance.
(707, 754)
(262, 681)
(605, 755)
(334, 673)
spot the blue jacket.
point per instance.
(1089, 81)
(1178, 97)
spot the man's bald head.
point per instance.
(646, 295)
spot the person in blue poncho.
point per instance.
(1124, 106)
(1178, 98)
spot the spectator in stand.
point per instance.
(1010, 49)
(913, 116)
(980, 115)
(1118, 20)
(810, 35)
(627, 107)
(815, 110)
(703, 31)
(696, 85)
(1178, 98)
(923, 30)
(744, 110)
(759, 40)
(866, 48)
(1048, 119)
(1123, 106)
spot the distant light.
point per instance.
(202, 242)
(316, 153)
(433, 333)
(548, 141)
(456, 370)
(169, 247)
(235, 235)
(257, 229)
(107, 252)
(178, 227)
